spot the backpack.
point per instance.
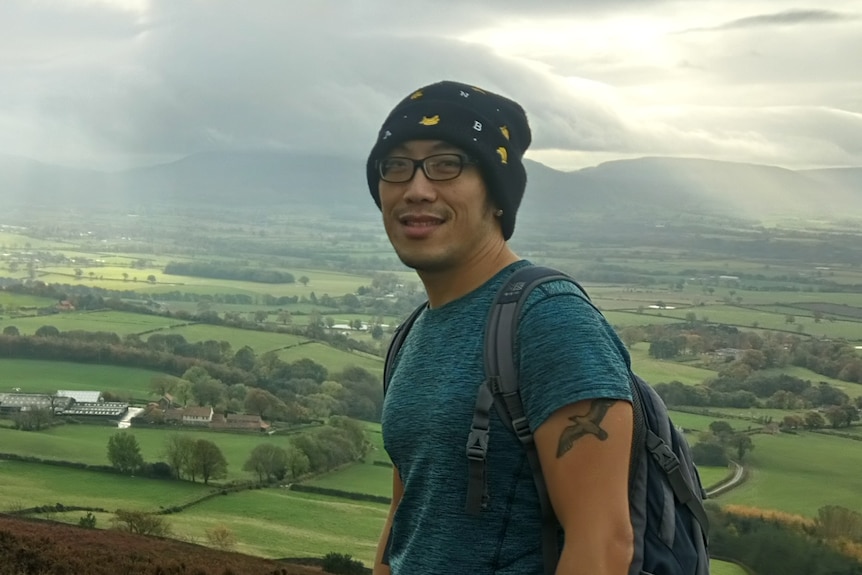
(665, 492)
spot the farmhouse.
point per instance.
(197, 416)
(240, 422)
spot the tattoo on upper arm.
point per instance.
(585, 425)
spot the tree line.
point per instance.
(341, 441)
(229, 271)
(728, 348)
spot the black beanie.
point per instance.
(489, 128)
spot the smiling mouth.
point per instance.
(420, 221)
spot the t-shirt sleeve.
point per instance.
(567, 352)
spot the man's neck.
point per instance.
(446, 286)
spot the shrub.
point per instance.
(342, 564)
(88, 521)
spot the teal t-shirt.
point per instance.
(566, 353)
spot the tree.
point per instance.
(141, 522)
(303, 280)
(151, 278)
(261, 402)
(721, 429)
(78, 273)
(47, 331)
(221, 537)
(742, 443)
(814, 420)
(268, 461)
(124, 453)
(161, 385)
(208, 461)
(178, 453)
(11, 330)
(33, 419)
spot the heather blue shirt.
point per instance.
(567, 353)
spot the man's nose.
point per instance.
(420, 188)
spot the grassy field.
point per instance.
(711, 475)
(717, 567)
(333, 359)
(37, 376)
(121, 323)
(111, 277)
(260, 341)
(279, 523)
(24, 485)
(801, 473)
(13, 300)
(88, 444)
(699, 423)
(360, 478)
(658, 371)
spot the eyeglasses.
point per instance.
(438, 168)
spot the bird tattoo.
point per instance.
(585, 425)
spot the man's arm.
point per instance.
(584, 449)
(397, 490)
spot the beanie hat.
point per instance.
(489, 128)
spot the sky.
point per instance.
(111, 84)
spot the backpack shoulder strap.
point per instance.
(397, 341)
(502, 377)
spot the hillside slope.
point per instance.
(45, 548)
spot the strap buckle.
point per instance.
(477, 444)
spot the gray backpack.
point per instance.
(665, 492)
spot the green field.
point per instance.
(260, 341)
(717, 567)
(88, 444)
(360, 478)
(280, 523)
(24, 485)
(658, 371)
(800, 473)
(121, 323)
(38, 376)
(333, 359)
(700, 423)
(13, 300)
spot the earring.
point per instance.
(498, 213)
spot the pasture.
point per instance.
(333, 359)
(30, 484)
(121, 323)
(280, 523)
(89, 444)
(660, 371)
(800, 473)
(43, 376)
(260, 341)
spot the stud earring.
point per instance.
(498, 213)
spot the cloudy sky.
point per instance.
(115, 83)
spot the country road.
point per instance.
(724, 486)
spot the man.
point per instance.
(447, 174)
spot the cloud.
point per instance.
(786, 18)
(123, 82)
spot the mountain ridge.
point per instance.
(657, 183)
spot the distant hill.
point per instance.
(337, 185)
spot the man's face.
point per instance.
(437, 225)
